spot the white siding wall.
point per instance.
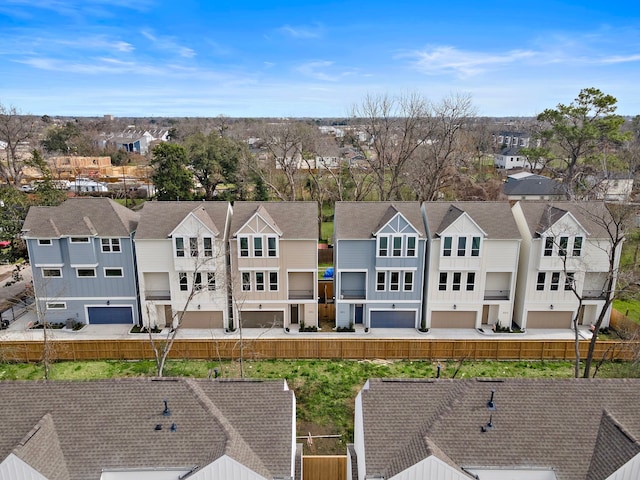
(227, 468)
(13, 468)
(431, 468)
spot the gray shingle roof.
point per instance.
(359, 220)
(537, 423)
(159, 219)
(296, 220)
(494, 218)
(541, 215)
(112, 424)
(533, 185)
(81, 217)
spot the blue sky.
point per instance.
(311, 58)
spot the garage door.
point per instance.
(548, 320)
(393, 319)
(202, 320)
(453, 319)
(263, 319)
(110, 315)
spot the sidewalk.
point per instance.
(18, 330)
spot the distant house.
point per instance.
(612, 187)
(472, 264)
(529, 186)
(148, 429)
(496, 429)
(510, 144)
(181, 250)
(82, 258)
(274, 264)
(564, 245)
(379, 256)
(134, 141)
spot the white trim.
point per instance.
(413, 269)
(95, 272)
(111, 305)
(45, 244)
(49, 306)
(104, 272)
(90, 299)
(48, 265)
(261, 269)
(51, 276)
(84, 265)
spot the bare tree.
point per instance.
(394, 128)
(17, 131)
(442, 148)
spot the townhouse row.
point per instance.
(396, 264)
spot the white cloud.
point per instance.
(168, 44)
(446, 60)
(302, 31)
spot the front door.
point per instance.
(294, 313)
(359, 314)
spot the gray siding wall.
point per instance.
(356, 254)
(70, 286)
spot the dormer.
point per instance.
(194, 236)
(561, 236)
(396, 236)
(461, 240)
(259, 237)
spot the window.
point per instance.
(244, 247)
(86, 272)
(44, 241)
(208, 247)
(443, 282)
(569, 281)
(562, 246)
(184, 283)
(548, 246)
(457, 277)
(79, 239)
(193, 246)
(260, 281)
(462, 246)
(411, 246)
(408, 282)
(197, 281)
(113, 272)
(272, 250)
(273, 281)
(51, 272)
(555, 281)
(577, 246)
(179, 247)
(471, 281)
(381, 281)
(394, 283)
(475, 247)
(397, 246)
(110, 245)
(246, 281)
(56, 306)
(542, 277)
(211, 281)
(257, 246)
(383, 245)
(446, 251)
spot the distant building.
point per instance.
(509, 157)
(529, 186)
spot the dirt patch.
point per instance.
(320, 446)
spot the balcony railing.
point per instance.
(157, 295)
(496, 294)
(300, 294)
(353, 294)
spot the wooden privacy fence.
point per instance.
(320, 348)
(324, 467)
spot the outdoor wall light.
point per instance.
(108, 302)
(455, 306)
(393, 306)
(199, 306)
(551, 307)
(260, 306)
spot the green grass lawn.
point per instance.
(325, 390)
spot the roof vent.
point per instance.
(166, 412)
(491, 404)
(174, 427)
(488, 426)
(158, 426)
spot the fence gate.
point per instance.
(324, 467)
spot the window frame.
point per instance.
(207, 244)
(411, 250)
(259, 282)
(462, 246)
(407, 282)
(396, 245)
(569, 281)
(243, 246)
(475, 249)
(50, 305)
(579, 239)
(541, 281)
(183, 281)
(471, 282)
(51, 269)
(272, 252)
(194, 248)
(456, 284)
(447, 246)
(548, 246)
(563, 245)
(274, 286)
(110, 245)
(394, 286)
(45, 242)
(258, 246)
(86, 270)
(211, 281)
(79, 240)
(113, 269)
(383, 251)
(245, 279)
(381, 281)
(554, 286)
(179, 247)
(442, 281)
